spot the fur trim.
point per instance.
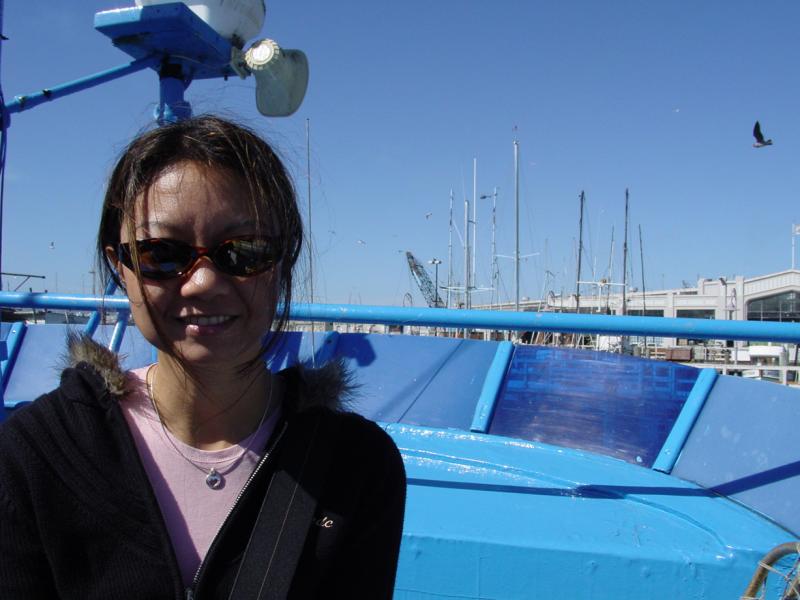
(330, 385)
(83, 349)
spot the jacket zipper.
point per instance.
(191, 589)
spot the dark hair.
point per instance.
(216, 144)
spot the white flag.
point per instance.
(796, 229)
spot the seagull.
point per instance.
(362, 242)
(428, 215)
(760, 141)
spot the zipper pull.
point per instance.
(189, 594)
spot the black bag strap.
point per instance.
(279, 534)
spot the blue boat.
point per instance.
(533, 471)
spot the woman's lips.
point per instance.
(206, 324)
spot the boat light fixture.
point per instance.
(281, 76)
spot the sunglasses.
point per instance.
(162, 258)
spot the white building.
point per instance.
(774, 297)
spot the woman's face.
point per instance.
(205, 315)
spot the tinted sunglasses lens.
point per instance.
(245, 256)
(162, 259)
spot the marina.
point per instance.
(611, 443)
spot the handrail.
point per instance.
(476, 319)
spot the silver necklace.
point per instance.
(214, 479)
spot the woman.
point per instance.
(202, 475)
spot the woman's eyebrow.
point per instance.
(177, 229)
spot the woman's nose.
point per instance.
(204, 277)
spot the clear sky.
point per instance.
(658, 97)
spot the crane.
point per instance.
(429, 291)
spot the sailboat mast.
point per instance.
(466, 253)
(580, 254)
(450, 251)
(625, 260)
(610, 270)
(516, 221)
(494, 245)
(474, 222)
(644, 298)
(641, 256)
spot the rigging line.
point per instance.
(310, 240)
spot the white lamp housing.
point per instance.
(281, 77)
(235, 20)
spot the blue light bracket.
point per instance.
(187, 46)
(673, 445)
(171, 31)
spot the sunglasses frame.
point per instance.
(197, 252)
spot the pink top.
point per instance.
(193, 512)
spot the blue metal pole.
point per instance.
(172, 106)
(495, 375)
(119, 330)
(673, 445)
(62, 301)
(557, 322)
(478, 319)
(94, 320)
(20, 103)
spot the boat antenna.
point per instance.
(580, 254)
(625, 260)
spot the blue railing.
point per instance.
(467, 319)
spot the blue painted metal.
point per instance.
(559, 322)
(37, 368)
(94, 320)
(12, 342)
(119, 330)
(484, 410)
(478, 319)
(306, 348)
(62, 301)
(424, 381)
(14, 339)
(686, 420)
(617, 405)
(28, 101)
(491, 517)
(171, 106)
(744, 445)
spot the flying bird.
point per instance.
(428, 215)
(760, 141)
(362, 242)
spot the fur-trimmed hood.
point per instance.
(329, 386)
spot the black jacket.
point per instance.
(79, 519)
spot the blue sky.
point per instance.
(656, 97)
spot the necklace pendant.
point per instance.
(214, 480)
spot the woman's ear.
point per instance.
(116, 265)
(111, 257)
